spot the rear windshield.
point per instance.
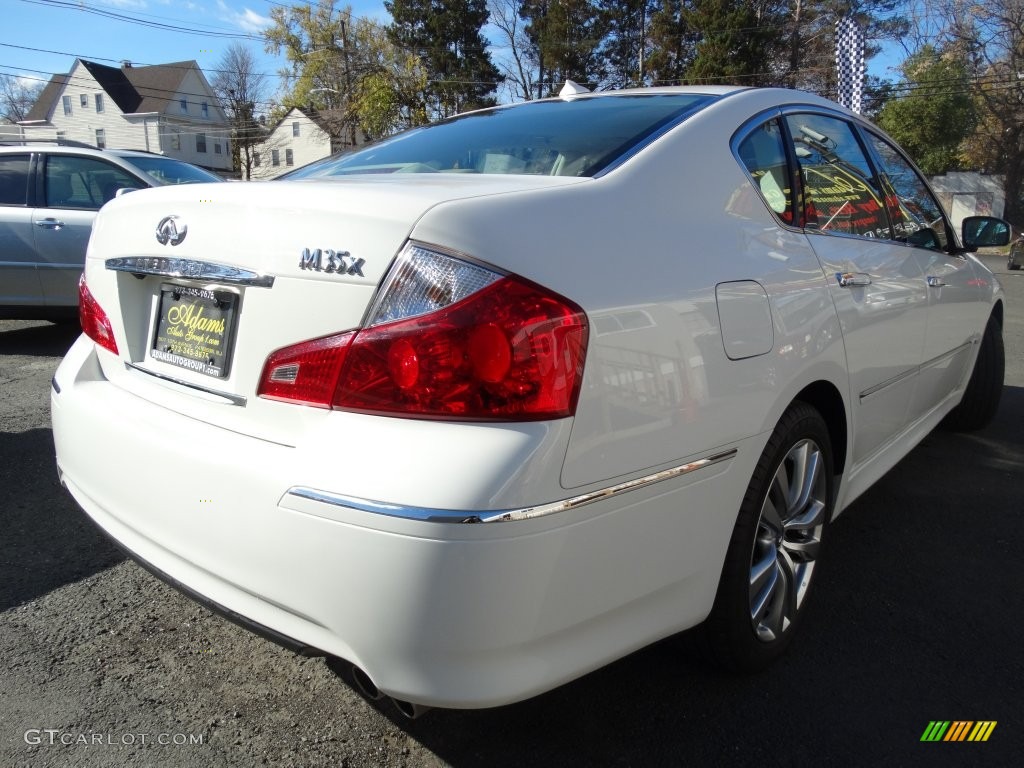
(577, 137)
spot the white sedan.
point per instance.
(494, 402)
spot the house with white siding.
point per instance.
(298, 138)
(168, 109)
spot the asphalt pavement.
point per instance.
(918, 617)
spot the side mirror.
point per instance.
(984, 232)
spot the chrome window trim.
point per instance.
(425, 514)
(189, 269)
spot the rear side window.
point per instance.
(14, 180)
(84, 182)
(763, 153)
(841, 193)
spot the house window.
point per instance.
(200, 142)
(183, 105)
(256, 159)
(83, 100)
(101, 138)
(206, 109)
(175, 139)
(288, 158)
(67, 105)
(295, 129)
(99, 102)
(275, 157)
(61, 136)
(216, 147)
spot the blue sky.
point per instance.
(62, 30)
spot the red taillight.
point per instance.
(306, 373)
(94, 321)
(510, 351)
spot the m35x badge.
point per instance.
(331, 262)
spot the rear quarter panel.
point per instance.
(642, 250)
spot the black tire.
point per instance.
(981, 398)
(1010, 264)
(749, 627)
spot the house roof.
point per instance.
(47, 98)
(158, 84)
(308, 112)
(133, 89)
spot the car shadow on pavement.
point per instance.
(46, 540)
(39, 339)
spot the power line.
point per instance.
(87, 57)
(82, 7)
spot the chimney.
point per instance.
(126, 64)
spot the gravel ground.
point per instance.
(918, 617)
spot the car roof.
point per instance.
(55, 146)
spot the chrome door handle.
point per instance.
(50, 223)
(935, 282)
(852, 279)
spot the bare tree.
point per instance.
(513, 48)
(241, 87)
(17, 97)
(990, 34)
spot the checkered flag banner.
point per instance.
(850, 62)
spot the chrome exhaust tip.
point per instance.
(365, 684)
(410, 710)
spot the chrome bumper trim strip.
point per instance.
(504, 515)
(190, 269)
(233, 399)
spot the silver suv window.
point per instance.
(14, 179)
(74, 181)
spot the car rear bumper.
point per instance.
(436, 613)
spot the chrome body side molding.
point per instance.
(916, 370)
(424, 514)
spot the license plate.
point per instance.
(195, 329)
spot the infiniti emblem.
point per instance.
(171, 230)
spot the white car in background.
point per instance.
(494, 402)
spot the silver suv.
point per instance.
(49, 195)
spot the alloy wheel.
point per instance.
(788, 540)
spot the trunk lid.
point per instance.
(202, 282)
